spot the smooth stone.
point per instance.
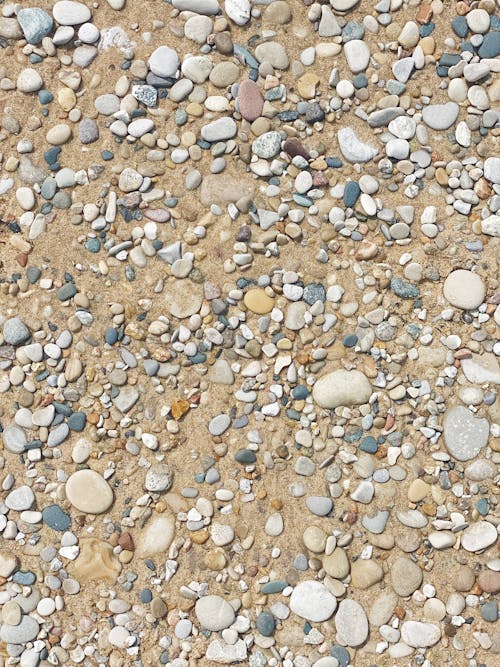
(420, 635)
(265, 624)
(489, 581)
(406, 576)
(365, 573)
(312, 601)
(206, 7)
(20, 499)
(342, 387)
(357, 54)
(479, 536)
(250, 100)
(126, 399)
(480, 369)
(258, 301)
(464, 434)
(219, 130)
(14, 439)
(68, 12)
(464, 289)
(337, 564)
(29, 80)
(220, 373)
(89, 492)
(214, 613)
(107, 104)
(88, 131)
(130, 180)
(442, 539)
(59, 134)
(351, 623)
(273, 53)
(26, 631)
(319, 505)
(274, 525)
(492, 169)
(8, 563)
(440, 116)
(156, 536)
(375, 524)
(219, 424)
(352, 148)
(164, 62)
(54, 517)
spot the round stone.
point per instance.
(89, 492)
(214, 613)
(406, 576)
(464, 289)
(312, 601)
(164, 62)
(29, 80)
(15, 332)
(258, 301)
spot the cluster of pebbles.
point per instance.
(249, 310)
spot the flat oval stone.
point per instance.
(313, 601)
(214, 613)
(89, 492)
(258, 301)
(67, 12)
(479, 536)
(250, 100)
(440, 116)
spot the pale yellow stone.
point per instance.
(96, 561)
(66, 98)
(365, 573)
(307, 85)
(258, 301)
(89, 492)
(417, 490)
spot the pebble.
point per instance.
(214, 613)
(351, 623)
(35, 24)
(464, 289)
(464, 434)
(312, 601)
(89, 492)
(342, 388)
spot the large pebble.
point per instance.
(164, 62)
(464, 434)
(479, 536)
(157, 536)
(440, 116)
(214, 613)
(464, 289)
(351, 623)
(313, 601)
(342, 388)
(420, 635)
(406, 576)
(35, 24)
(68, 12)
(89, 492)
